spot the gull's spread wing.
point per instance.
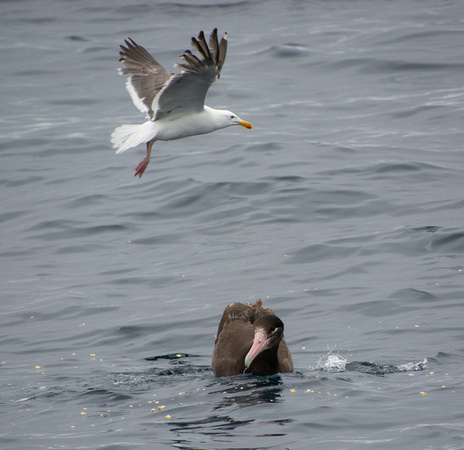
(157, 92)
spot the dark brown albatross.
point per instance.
(250, 339)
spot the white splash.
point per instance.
(332, 363)
(408, 367)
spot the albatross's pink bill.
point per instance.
(259, 344)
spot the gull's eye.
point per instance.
(232, 117)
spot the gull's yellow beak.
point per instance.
(245, 124)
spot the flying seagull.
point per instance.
(174, 103)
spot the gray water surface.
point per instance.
(342, 209)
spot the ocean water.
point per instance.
(342, 209)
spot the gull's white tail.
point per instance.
(127, 136)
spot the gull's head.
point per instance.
(237, 121)
(228, 119)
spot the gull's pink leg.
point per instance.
(142, 166)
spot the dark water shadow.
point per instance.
(239, 390)
(248, 390)
(227, 396)
(231, 394)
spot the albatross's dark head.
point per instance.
(268, 334)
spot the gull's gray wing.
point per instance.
(157, 92)
(186, 92)
(147, 76)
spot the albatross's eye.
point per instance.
(272, 329)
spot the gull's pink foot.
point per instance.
(141, 167)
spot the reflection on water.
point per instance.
(265, 389)
(211, 425)
(233, 393)
(236, 393)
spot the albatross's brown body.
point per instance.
(250, 339)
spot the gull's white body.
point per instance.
(170, 128)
